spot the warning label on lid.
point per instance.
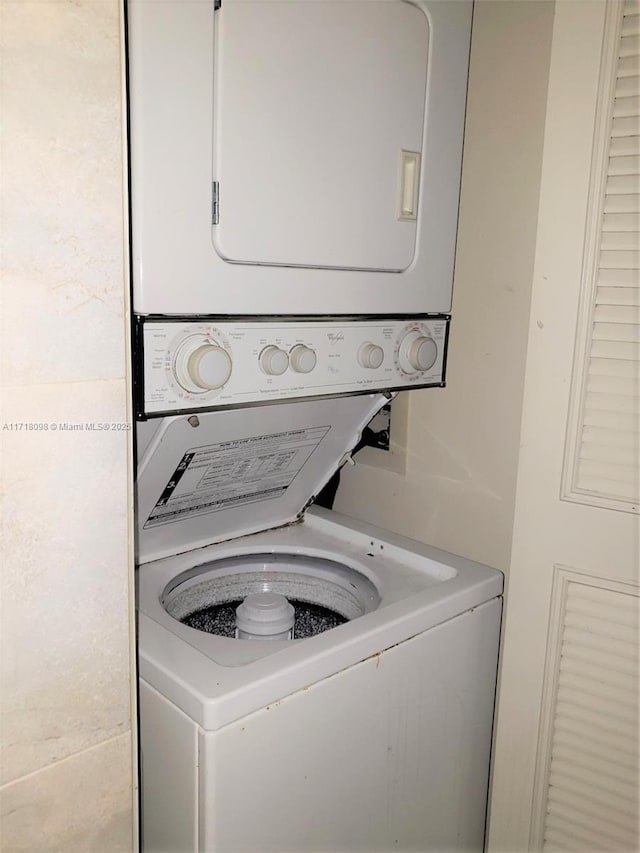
(220, 476)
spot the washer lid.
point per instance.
(215, 476)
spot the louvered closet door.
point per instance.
(603, 440)
(566, 757)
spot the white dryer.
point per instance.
(370, 729)
(295, 157)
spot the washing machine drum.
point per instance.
(269, 596)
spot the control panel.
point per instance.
(198, 364)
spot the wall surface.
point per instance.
(462, 442)
(66, 769)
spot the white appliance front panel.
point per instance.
(278, 359)
(324, 124)
(391, 753)
(320, 214)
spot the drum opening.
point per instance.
(323, 592)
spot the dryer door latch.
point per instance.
(215, 203)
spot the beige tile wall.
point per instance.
(66, 767)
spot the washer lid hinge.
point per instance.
(301, 513)
(215, 203)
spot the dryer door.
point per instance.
(314, 103)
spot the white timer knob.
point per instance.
(370, 355)
(302, 359)
(209, 367)
(417, 353)
(274, 361)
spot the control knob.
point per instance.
(203, 368)
(370, 356)
(417, 353)
(273, 361)
(302, 359)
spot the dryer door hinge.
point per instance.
(215, 203)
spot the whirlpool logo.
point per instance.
(335, 337)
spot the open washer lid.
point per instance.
(219, 475)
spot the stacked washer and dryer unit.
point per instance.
(307, 682)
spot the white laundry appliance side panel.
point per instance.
(169, 771)
(390, 754)
(176, 269)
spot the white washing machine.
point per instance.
(368, 729)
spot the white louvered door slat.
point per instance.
(620, 241)
(627, 67)
(629, 44)
(616, 312)
(619, 260)
(624, 351)
(626, 106)
(615, 332)
(621, 222)
(627, 165)
(611, 295)
(629, 203)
